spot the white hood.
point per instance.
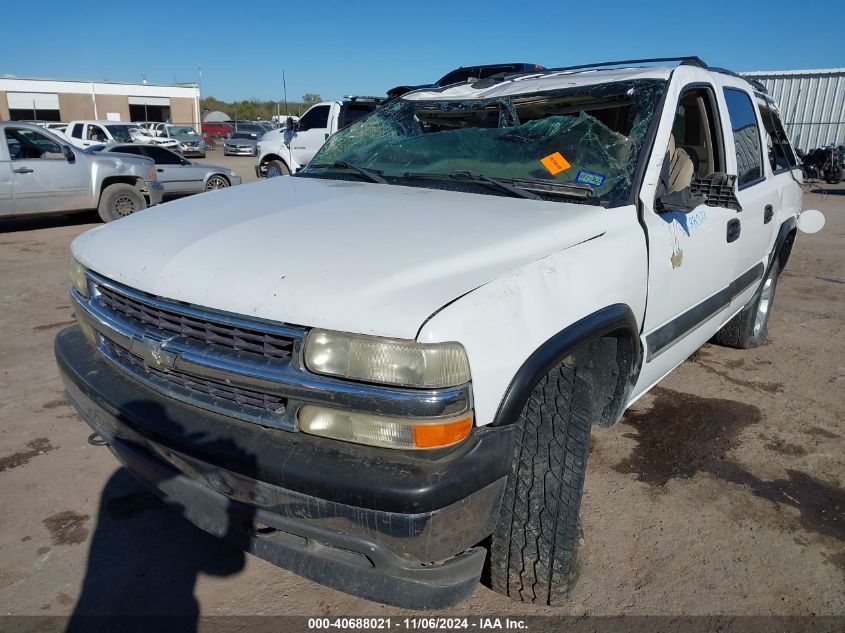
(357, 257)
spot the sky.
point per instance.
(366, 47)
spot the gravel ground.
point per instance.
(721, 492)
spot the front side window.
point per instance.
(24, 143)
(746, 135)
(779, 150)
(316, 118)
(694, 148)
(97, 134)
(587, 138)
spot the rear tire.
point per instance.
(277, 168)
(533, 553)
(750, 327)
(119, 200)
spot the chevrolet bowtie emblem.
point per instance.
(152, 353)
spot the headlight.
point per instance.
(77, 278)
(382, 431)
(384, 360)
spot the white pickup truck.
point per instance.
(282, 152)
(89, 133)
(395, 369)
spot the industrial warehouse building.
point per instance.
(59, 100)
(811, 102)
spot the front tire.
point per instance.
(750, 328)
(216, 182)
(533, 551)
(277, 168)
(119, 200)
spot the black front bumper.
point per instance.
(398, 527)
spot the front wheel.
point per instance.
(277, 168)
(216, 182)
(534, 547)
(119, 200)
(750, 327)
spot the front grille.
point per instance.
(271, 403)
(268, 345)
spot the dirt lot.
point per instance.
(722, 492)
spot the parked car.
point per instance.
(251, 126)
(178, 175)
(281, 153)
(464, 74)
(190, 143)
(41, 173)
(397, 363)
(242, 144)
(88, 133)
(218, 130)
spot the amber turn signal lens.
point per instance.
(434, 435)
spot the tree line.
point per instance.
(258, 110)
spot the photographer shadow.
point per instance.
(145, 557)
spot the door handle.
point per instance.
(24, 170)
(768, 214)
(734, 227)
(160, 170)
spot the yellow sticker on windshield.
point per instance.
(555, 163)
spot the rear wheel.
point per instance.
(534, 547)
(750, 327)
(216, 182)
(277, 168)
(120, 200)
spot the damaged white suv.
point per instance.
(365, 371)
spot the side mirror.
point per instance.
(67, 152)
(716, 190)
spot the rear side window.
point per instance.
(317, 117)
(746, 133)
(355, 111)
(778, 148)
(76, 132)
(162, 156)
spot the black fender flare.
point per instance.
(783, 245)
(617, 321)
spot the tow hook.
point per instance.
(96, 439)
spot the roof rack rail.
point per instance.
(755, 83)
(364, 98)
(684, 61)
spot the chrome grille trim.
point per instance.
(251, 406)
(276, 377)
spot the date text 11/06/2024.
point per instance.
(431, 624)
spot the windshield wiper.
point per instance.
(501, 185)
(368, 174)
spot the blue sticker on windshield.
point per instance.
(590, 178)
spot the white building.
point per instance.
(61, 100)
(812, 104)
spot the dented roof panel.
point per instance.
(540, 82)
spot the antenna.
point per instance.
(285, 86)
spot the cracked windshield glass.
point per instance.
(575, 143)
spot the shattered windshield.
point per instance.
(587, 138)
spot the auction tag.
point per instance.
(555, 163)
